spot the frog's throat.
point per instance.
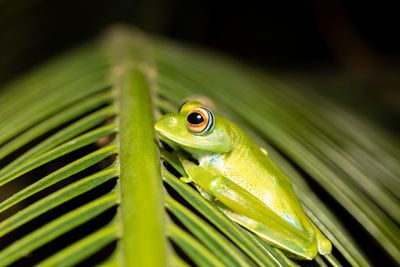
(194, 151)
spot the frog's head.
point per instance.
(196, 129)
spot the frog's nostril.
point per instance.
(172, 120)
(165, 123)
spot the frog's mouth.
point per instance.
(164, 136)
(212, 142)
(194, 152)
(174, 140)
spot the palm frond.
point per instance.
(81, 182)
(63, 117)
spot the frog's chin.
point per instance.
(196, 152)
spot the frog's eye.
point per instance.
(200, 120)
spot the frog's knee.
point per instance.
(217, 185)
(310, 251)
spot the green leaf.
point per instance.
(196, 251)
(215, 242)
(141, 206)
(83, 248)
(56, 199)
(53, 122)
(67, 147)
(41, 105)
(60, 137)
(85, 118)
(56, 228)
(58, 175)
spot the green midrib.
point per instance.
(141, 197)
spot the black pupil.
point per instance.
(195, 118)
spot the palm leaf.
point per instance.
(81, 180)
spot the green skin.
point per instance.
(246, 185)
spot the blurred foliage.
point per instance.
(330, 41)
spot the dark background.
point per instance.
(349, 50)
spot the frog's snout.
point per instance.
(157, 126)
(166, 122)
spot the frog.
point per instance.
(240, 178)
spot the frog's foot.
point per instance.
(185, 179)
(324, 245)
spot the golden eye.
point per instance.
(200, 120)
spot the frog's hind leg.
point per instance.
(324, 245)
(300, 248)
(252, 213)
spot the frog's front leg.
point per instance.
(252, 213)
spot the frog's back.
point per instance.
(248, 166)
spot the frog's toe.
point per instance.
(324, 246)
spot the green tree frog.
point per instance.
(240, 178)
